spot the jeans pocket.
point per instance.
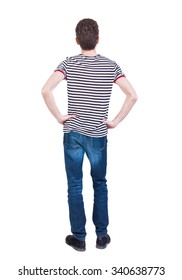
(71, 139)
(98, 144)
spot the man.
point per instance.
(90, 78)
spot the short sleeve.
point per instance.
(118, 72)
(62, 67)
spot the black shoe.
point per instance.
(75, 243)
(102, 242)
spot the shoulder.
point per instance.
(73, 58)
(70, 58)
(108, 60)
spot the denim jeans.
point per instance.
(75, 146)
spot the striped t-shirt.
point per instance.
(89, 86)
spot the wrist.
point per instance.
(115, 122)
(59, 118)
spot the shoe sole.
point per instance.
(79, 249)
(102, 247)
(76, 248)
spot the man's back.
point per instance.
(89, 85)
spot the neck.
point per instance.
(89, 53)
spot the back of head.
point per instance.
(87, 33)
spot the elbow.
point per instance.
(44, 92)
(134, 98)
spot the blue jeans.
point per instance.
(75, 146)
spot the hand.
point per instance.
(63, 118)
(110, 124)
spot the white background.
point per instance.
(144, 160)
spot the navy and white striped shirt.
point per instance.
(89, 86)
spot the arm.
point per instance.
(47, 94)
(130, 100)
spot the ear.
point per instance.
(97, 40)
(77, 41)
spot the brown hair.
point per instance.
(87, 32)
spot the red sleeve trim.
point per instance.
(123, 76)
(57, 70)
